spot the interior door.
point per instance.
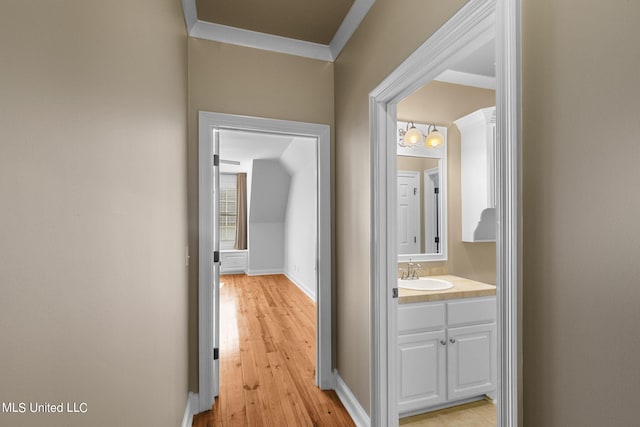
(408, 212)
(216, 262)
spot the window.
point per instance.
(228, 211)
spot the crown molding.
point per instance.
(270, 42)
(349, 25)
(190, 14)
(247, 38)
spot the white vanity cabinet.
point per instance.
(446, 351)
(422, 355)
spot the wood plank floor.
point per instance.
(267, 358)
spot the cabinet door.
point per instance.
(471, 361)
(422, 380)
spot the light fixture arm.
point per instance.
(432, 138)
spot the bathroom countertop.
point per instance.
(462, 288)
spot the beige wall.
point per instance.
(384, 39)
(443, 103)
(581, 209)
(231, 79)
(93, 220)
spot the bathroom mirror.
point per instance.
(422, 200)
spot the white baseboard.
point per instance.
(265, 272)
(358, 414)
(190, 410)
(311, 294)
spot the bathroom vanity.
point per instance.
(446, 345)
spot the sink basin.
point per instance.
(425, 284)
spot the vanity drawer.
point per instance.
(420, 317)
(463, 312)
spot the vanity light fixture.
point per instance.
(412, 136)
(434, 138)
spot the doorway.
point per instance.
(210, 126)
(474, 24)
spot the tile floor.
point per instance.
(475, 414)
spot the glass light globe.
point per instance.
(434, 139)
(412, 137)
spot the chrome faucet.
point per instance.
(411, 272)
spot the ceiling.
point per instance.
(310, 20)
(443, 103)
(243, 147)
(316, 29)
(477, 69)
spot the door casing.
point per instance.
(207, 123)
(474, 24)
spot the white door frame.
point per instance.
(473, 25)
(430, 211)
(208, 122)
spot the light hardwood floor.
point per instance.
(267, 358)
(476, 414)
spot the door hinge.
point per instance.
(436, 190)
(394, 293)
(437, 240)
(215, 353)
(216, 160)
(216, 256)
(415, 239)
(415, 191)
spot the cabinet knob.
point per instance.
(443, 342)
(452, 340)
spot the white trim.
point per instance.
(468, 29)
(351, 404)
(349, 25)
(467, 79)
(265, 271)
(208, 122)
(238, 36)
(190, 14)
(190, 410)
(254, 39)
(509, 212)
(300, 285)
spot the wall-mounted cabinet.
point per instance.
(478, 176)
(446, 351)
